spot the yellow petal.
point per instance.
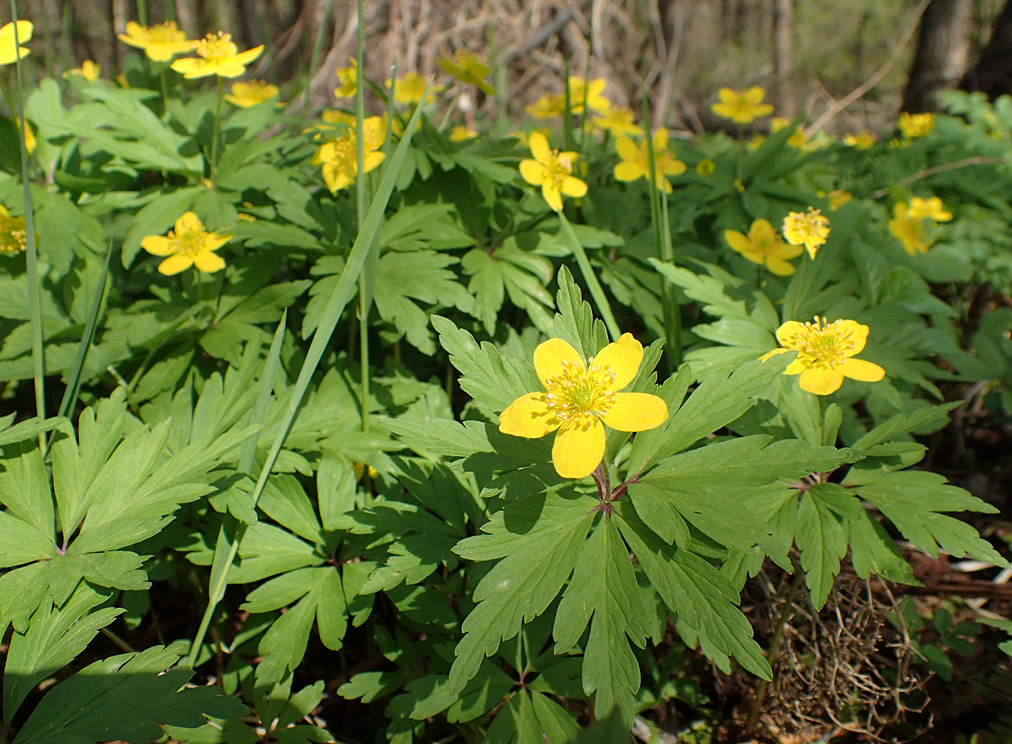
(549, 358)
(552, 195)
(859, 369)
(208, 261)
(532, 171)
(174, 264)
(821, 381)
(528, 416)
(773, 353)
(796, 367)
(157, 245)
(623, 358)
(738, 241)
(539, 147)
(779, 266)
(636, 412)
(787, 330)
(572, 186)
(627, 149)
(578, 449)
(216, 240)
(859, 334)
(629, 171)
(188, 221)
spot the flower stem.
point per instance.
(596, 291)
(214, 137)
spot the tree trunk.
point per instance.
(993, 72)
(943, 51)
(783, 58)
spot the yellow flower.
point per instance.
(551, 170)
(580, 399)
(217, 55)
(348, 79)
(12, 233)
(160, 43)
(89, 70)
(930, 208)
(9, 52)
(466, 67)
(825, 352)
(251, 93)
(706, 167)
(636, 160)
(619, 122)
(359, 469)
(547, 107)
(798, 138)
(764, 246)
(837, 198)
(909, 230)
(410, 88)
(338, 155)
(461, 133)
(809, 229)
(592, 93)
(862, 141)
(188, 245)
(29, 138)
(742, 106)
(915, 125)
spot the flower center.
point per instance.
(12, 235)
(577, 394)
(216, 47)
(558, 168)
(189, 242)
(165, 32)
(822, 344)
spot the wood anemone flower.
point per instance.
(742, 106)
(189, 244)
(217, 55)
(552, 171)
(9, 51)
(764, 246)
(160, 43)
(636, 161)
(825, 353)
(580, 399)
(251, 93)
(809, 229)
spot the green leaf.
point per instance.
(822, 537)
(125, 698)
(915, 501)
(24, 486)
(604, 587)
(538, 543)
(21, 542)
(700, 597)
(491, 379)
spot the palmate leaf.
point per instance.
(604, 587)
(538, 544)
(509, 271)
(124, 698)
(823, 512)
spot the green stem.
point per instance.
(596, 290)
(214, 138)
(670, 296)
(778, 634)
(142, 12)
(165, 87)
(365, 279)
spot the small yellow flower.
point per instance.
(909, 230)
(9, 52)
(798, 138)
(217, 55)
(837, 198)
(347, 77)
(338, 155)
(466, 67)
(410, 88)
(825, 352)
(251, 93)
(930, 208)
(742, 106)
(160, 43)
(809, 229)
(636, 160)
(12, 233)
(547, 107)
(189, 244)
(29, 138)
(619, 123)
(915, 125)
(552, 171)
(706, 167)
(89, 70)
(864, 140)
(462, 133)
(359, 469)
(592, 93)
(764, 246)
(580, 399)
